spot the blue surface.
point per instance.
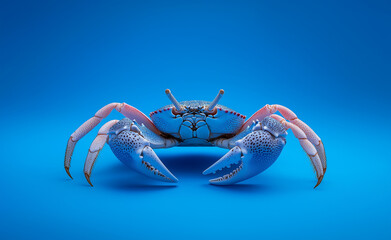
(329, 61)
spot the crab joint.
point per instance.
(173, 100)
(216, 100)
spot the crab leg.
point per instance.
(306, 145)
(127, 110)
(96, 147)
(268, 110)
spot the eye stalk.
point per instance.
(215, 101)
(177, 105)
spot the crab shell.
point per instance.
(194, 125)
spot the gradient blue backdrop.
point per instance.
(61, 61)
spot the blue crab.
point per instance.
(254, 144)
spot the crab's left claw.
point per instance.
(258, 150)
(251, 156)
(239, 172)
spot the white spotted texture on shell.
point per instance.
(274, 127)
(125, 125)
(263, 146)
(125, 144)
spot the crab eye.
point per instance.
(211, 112)
(175, 112)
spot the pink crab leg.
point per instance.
(279, 118)
(306, 145)
(312, 137)
(96, 147)
(268, 110)
(127, 110)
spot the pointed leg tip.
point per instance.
(319, 181)
(88, 179)
(69, 174)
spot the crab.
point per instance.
(254, 145)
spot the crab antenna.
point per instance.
(216, 100)
(173, 100)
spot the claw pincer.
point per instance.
(130, 147)
(253, 154)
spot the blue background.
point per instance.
(60, 62)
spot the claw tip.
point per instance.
(88, 179)
(319, 181)
(69, 174)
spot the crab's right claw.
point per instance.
(151, 166)
(129, 145)
(251, 156)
